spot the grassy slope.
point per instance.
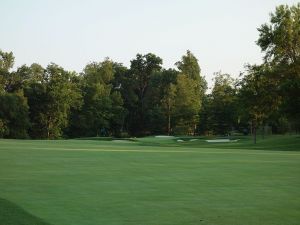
(11, 214)
(153, 181)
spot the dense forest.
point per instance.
(109, 99)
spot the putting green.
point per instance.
(152, 181)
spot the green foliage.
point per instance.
(189, 66)
(161, 97)
(102, 112)
(220, 108)
(190, 89)
(258, 95)
(287, 77)
(51, 101)
(142, 68)
(14, 121)
(7, 60)
(187, 105)
(280, 39)
(269, 93)
(3, 128)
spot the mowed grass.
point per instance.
(150, 181)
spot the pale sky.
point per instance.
(71, 33)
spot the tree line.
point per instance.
(110, 99)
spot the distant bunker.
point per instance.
(221, 140)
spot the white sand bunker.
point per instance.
(123, 141)
(221, 140)
(194, 140)
(164, 136)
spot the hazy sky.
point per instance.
(71, 33)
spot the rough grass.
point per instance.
(151, 181)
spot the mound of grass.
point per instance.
(12, 214)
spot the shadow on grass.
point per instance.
(12, 214)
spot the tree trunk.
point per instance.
(254, 134)
(169, 117)
(169, 124)
(48, 127)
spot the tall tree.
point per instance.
(280, 41)
(189, 94)
(190, 67)
(223, 104)
(141, 70)
(169, 97)
(258, 95)
(187, 105)
(161, 100)
(205, 126)
(7, 60)
(14, 120)
(102, 112)
(51, 101)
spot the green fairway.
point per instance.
(150, 181)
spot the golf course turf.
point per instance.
(150, 181)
